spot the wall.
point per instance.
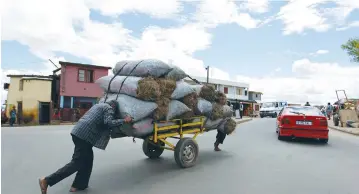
(69, 86)
(232, 92)
(34, 91)
(252, 96)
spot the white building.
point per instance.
(233, 90)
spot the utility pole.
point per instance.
(207, 68)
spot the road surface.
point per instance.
(253, 161)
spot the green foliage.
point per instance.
(352, 48)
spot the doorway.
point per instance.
(19, 113)
(44, 112)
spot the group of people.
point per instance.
(326, 110)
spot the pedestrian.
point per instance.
(92, 130)
(329, 110)
(240, 110)
(12, 116)
(307, 104)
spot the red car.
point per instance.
(302, 122)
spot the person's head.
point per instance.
(114, 104)
(328, 103)
(13, 107)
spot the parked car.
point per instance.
(302, 122)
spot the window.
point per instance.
(246, 93)
(239, 91)
(21, 85)
(256, 95)
(225, 90)
(85, 76)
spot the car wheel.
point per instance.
(324, 141)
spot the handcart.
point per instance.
(186, 150)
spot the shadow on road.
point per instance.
(306, 141)
(149, 171)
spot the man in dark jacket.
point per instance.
(93, 129)
(307, 104)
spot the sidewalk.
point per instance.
(243, 120)
(353, 131)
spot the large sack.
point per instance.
(227, 111)
(145, 127)
(197, 88)
(142, 88)
(182, 89)
(147, 67)
(212, 124)
(176, 108)
(176, 73)
(204, 107)
(131, 106)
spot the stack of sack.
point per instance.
(151, 90)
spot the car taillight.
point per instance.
(285, 121)
(323, 123)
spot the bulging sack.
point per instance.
(204, 107)
(145, 127)
(176, 108)
(129, 87)
(197, 88)
(210, 125)
(182, 89)
(131, 106)
(227, 111)
(144, 68)
(176, 73)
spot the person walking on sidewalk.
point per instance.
(12, 116)
(329, 110)
(241, 110)
(92, 130)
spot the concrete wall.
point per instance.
(252, 96)
(69, 86)
(34, 91)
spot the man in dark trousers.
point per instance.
(93, 129)
(241, 110)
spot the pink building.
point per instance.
(75, 87)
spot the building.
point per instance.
(257, 97)
(235, 91)
(76, 89)
(31, 95)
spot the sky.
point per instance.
(289, 50)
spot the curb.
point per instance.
(243, 121)
(345, 131)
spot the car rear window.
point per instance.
(303, 110)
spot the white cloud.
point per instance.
(300, 15)
(348, 26)
(256, 6)
(155, 8)
(319, 52)
(210, 15)
(313, 82)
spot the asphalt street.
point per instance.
(253, 161)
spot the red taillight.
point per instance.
(323, 123)
(285, 121)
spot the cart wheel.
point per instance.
(150, 150)
(186, 152)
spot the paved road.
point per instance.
(253, 162)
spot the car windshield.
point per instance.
(304, 110)
(268, 104)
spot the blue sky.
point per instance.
(233, 48)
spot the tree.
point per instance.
(352, 48)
